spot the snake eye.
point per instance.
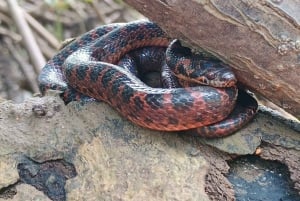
(211, 76)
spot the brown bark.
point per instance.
(259, 39)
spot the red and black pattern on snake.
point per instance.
(89, 66)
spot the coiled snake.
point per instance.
(88, 67)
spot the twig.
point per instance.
(42, 31)
(4, 18)
(30, 43)
(48, 52)
(79, 11)
(9, 33)
(100, 14)
(25, 67)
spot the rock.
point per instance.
(8, 172)
(156, 169)
(27, 192)
(116, 160)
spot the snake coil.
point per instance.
(91, 66)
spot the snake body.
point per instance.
(88, 66)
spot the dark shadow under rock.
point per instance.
(256, 179)
(49, 177)
(8, 192)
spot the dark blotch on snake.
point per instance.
(182, 105)
(81, 72)
(95, 72)
(154, 100)
(138, 102)
(107, 77)
(127, 93)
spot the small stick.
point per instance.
(26, 69)
(42, 31)
(30, 43)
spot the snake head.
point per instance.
(198, 68)
(212, 73)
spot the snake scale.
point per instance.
(93, 66)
